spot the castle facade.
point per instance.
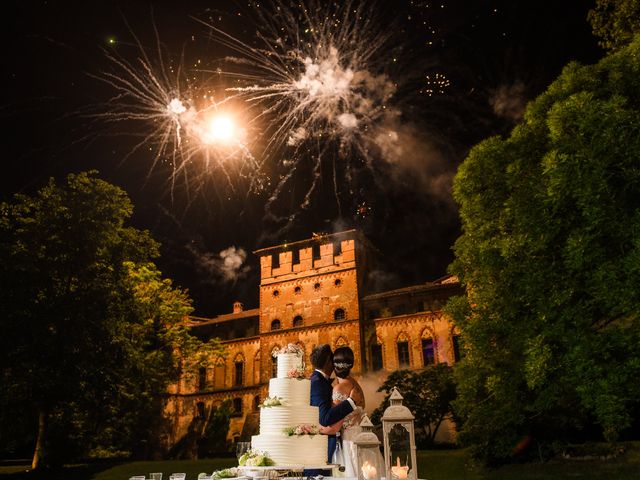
(312, 292)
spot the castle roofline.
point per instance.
(448, 281)
(316, 238)
(227, 317)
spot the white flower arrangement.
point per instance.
(255, 458)
(289, 348)
(272, 402)
(302, 429)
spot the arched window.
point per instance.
(237, 406)
(403, 351)
(297, 321)
(376, 357)
(219, 374)
(297, 289)
(239, 371)
(428, 351)
(275, 324)
(339, 314)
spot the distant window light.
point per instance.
(298, 289)
(428, 352)
(297, 321)
(339, 314)
(337, 282)
(275, 260)
(316, 286)
(403, 354)
(275, 324)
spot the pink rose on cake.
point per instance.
(296, 373)
(303, 429)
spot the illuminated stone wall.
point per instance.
(313, 292)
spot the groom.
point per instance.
(321, 391)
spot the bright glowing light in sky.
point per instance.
(221, 129)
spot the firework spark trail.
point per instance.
(318, 75)
(180, 123)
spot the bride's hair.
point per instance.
(343, 361)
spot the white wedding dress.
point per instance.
(345, 449)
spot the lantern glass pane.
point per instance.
(400, 447)
(369, 462)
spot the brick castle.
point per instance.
(312, 292)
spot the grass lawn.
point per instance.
(432, 465)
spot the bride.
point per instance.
(348, 428)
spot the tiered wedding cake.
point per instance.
(288, 424)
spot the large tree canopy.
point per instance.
(550, 257)
(615, 22)
(91, 333)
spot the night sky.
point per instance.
(464, 71)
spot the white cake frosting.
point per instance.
(286, 362)
(276, 419)
(296, 392)
(304, 450)
(307, 450)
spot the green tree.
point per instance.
(615, 22)
(550, 257)
(91, 333)
(428, 393)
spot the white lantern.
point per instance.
(368, 458)
(399, 440)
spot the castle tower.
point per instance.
(309, 294)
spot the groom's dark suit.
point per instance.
(321, 391)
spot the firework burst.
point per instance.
(317, 73)
(179, 119)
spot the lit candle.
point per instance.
(398, 471)
(369, 472)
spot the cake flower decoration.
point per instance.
(302, 429)
(289, 348)
(272, 402)
(297, 373)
